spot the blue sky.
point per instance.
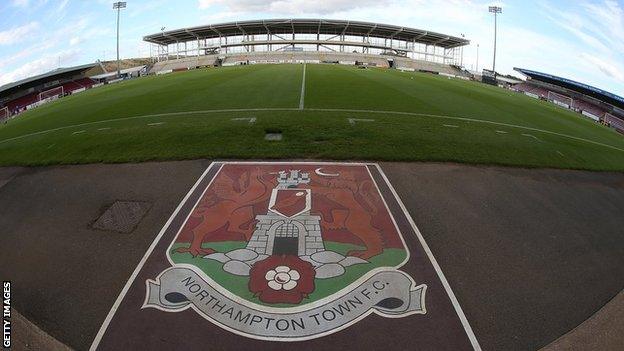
(581, 40)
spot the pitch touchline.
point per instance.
(171, 114)
(302, 98)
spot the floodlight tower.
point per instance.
(495, 10)
(118, 6)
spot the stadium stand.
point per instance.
(589, 101)
(592, 109)
(531, 90)
(25, 94)
(126, 73)
(85, 82)
(614, 122)
(20, 104)
(309, 40)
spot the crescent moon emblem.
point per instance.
(318, 171)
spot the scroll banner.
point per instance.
(391, 293)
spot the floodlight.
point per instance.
(118, 6)
(495, 10)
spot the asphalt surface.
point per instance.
(530, 254)
(65, 276)
(440, 327)
(602, 331)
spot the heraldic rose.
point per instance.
(282, 279)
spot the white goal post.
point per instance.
(51, 94)
(4, 114)
(560, 99)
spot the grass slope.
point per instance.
(426, 118)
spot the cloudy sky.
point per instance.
(581, 40)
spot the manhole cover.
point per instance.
(122, 216)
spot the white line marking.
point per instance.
(450, 125)
(107, 128)
(467, 119)
(501, 132)
(250, 119)
(124, 291)
(531, 136)
(436, 266)
(353, 120)
(78, 132)
(183, 113)
(155, 124)
(302, 97)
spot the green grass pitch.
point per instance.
(411, 117)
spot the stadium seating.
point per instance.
(577, 104)
(85, 82)
(529, 88)
(310, 56)
(71, 86)
(183, 63)
(616, 123)
(20, 104)
(590, 108)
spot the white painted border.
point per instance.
(124, 291)
(436, 266)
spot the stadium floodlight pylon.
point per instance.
(560, 99)
(51, 94)
(495, 10)
(4, 114)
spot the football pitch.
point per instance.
(321, 112)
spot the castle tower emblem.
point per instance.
(288, 228)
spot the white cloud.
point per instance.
(20, 3)
(62, 5)
(17, 34)
(605, 65)
(45, 64)
(598, 26)
(291, 6)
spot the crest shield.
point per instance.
(290, 202)
(288, 252)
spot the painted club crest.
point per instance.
(288, 252)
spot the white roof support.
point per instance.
(395, 33)
(439, 41)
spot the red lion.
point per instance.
(355, 213)
(230, 202)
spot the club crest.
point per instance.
(287, 252)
